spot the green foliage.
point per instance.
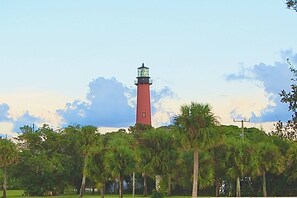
(288, 130)
(9, 153)
(195, 123)
(157, 150)
(292, 4)
(8, 156)
(156, 194)
(120, 157)
(43, 167)
(239, 158)
(52, 160)
(269, 158)
(291, 160)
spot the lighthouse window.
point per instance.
(143, 72)
(143, 114)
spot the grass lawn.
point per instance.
(18, 193)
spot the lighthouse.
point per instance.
(143, 108)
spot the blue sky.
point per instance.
(71, 61)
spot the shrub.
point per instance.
(156, 194)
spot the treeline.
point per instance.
(79, 158)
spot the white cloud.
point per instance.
(25, 104)
(6, 128)
(166, 109)
(273, 78)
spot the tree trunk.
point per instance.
(238, 187)
(102, 190)
(4, 181)
(77, 187)
(116, 187)
(83, 182)
(82, 187)
(120, 187)
(144, 185)
(93, 189)
(133, 184)
(195, 174)
(158, 179)
(217, 186)
(264, 184)
(169, 186)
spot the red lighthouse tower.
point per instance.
(143, 109)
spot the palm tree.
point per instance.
(158, 154)
(87, 138)
(269, 159)
(138, 132)
(195, 122)
(291, 162)
(120, 157)
(8, 156)
(96, 167)
(219, 163)
(240, 158)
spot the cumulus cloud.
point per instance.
(25, 119)
(164, 103)
(106, 105)
(273, 78)
(110, 104)
(4, 115)
(160, 95)
(12, 125)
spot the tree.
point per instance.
(289, 129)
(120, 157)
(269, 159)
(291, 162)
(291, 4)
(8, 156)
(138, 130)
(238, 162)
(158, 154)
(72, 148)
(87, 141)
(42, 168)
(195, 123)
(96, 167)
(219, 153)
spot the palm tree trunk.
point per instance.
(238, 187)
(82, 187)
(195, 174)
(102, 190)
(217, 183)
(144, 185)
(93, 189)
(4, 181)
(121, 187)
(133, 184)
(158, 179)
(169, 186)
(264, 184)
(83, 182)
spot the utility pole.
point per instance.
(242, 129)
(238, 192)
